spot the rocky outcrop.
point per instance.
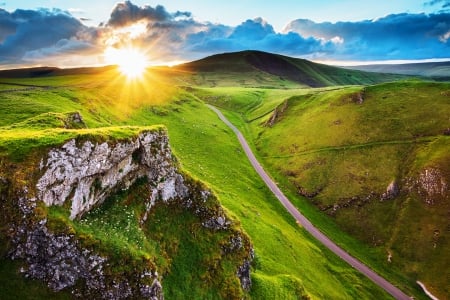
(308, 194)
(87, 174)
(358, 97)
(276, 115)
(392, 191)
(431, 185)
(61, 262)
(74, 120)
(244, 272)
(83, 175)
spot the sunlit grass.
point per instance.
(327, 142)
(289, 262)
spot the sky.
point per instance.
(79, 33)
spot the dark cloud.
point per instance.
(444, 4)
(254, 34)
(126, 13)
(256, 29)
(23, 31)
(38, 35)
(400, 36)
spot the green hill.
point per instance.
(373, 160)
(41, 115)
(436, 70)
(256, 68)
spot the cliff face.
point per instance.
(82, 175)
(86, 175)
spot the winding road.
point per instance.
(307, 225)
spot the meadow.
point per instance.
(335, 151)
(323, 131)
(289, 264)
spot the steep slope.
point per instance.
(288, 263)
(62, 233)
(274, 69)
(436, 70)
(375, 160)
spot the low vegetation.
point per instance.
(339, 150)
(329, 148)
(289, 264)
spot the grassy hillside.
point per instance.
(437, 70)
(289, 264)
(256, 68)
(339, 150)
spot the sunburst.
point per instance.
(131, 61)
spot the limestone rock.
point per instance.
(87, 174)
(430, 184)
(392, 191)
(244, 272)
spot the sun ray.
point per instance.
(131, 62)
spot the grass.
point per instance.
(327, 143)
(289, 263)
(212, 154)
(264, 70)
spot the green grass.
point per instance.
(212, 154)
(265, 70)
(15, 286)
(289, 262)
(326, 142)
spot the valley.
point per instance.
(363, 156)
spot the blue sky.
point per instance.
(233, 12)
(72, 33)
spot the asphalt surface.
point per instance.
(305, 223)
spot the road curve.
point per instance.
(377, 279)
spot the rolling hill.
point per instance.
(374, 160)
(246, 68)
(436, 70)
(253, 68)
(44, 115)
(359, 161)
(52, 71)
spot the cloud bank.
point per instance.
(400, 36)
(57, 37)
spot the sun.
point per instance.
(132, 62)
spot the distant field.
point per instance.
(437, 70)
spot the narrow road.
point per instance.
(377, 279)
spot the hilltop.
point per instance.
(251, 68)
(245, 68)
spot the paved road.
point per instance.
(377, 279)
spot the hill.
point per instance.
(52, 71)
(436, 70)
(374, 160)
(246, 68)
(256, 68)
(191, 259)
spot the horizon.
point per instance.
(166, 33)
(170, 65)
